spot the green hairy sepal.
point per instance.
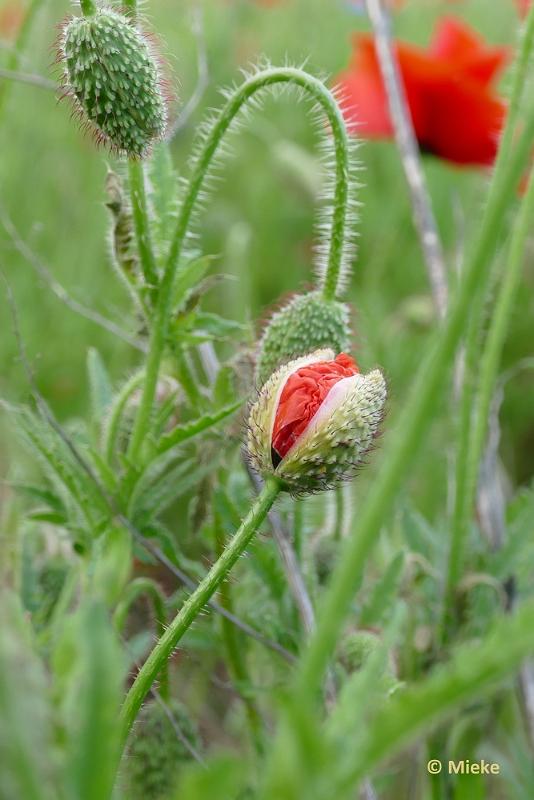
(114, 76)
(308, 322)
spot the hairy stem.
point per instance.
(196, 602)
(235, 652)
(134, 590)
(258, 82)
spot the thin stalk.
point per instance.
(508, 150)
(491, 354)
(134, 590)
(258, 82)
(141, 221)
(235, 654)
(406, 140)
(412, 424)
(196, 602)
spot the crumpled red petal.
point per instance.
(302, 395)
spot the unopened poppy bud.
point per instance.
(314, 420)
(308, 322)
(114, 76)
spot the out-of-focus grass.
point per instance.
(259, 221)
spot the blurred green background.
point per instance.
(259, 221)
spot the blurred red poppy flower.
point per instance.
(11, 18)
(523, 7)
(456, 111)
(303, 394)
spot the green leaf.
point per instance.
(151, 497)
(189, 276)
(111, 564)
(89, 669)
(383, 593)
(190, 430)
(100, 388)
(472, 671)
(27, 757)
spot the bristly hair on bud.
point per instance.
(314, 420)
(115, 78)
(307, 322)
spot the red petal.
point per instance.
(302, 396)
(464, 50)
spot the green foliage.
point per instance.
(94, 527)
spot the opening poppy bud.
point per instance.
(314, 421)
(112, 73)
(308, 322)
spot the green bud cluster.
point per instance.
(114, 76)
(308, 322)
(155, 754)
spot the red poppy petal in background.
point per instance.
(364, 102)
(465, 51)
(302, 396)
(464, 122)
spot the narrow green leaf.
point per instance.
(100, 387)
(183, 433)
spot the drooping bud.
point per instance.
(314, 420)
(115, 78)
(308, 322)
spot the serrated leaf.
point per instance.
(153, 498)
(190, 430)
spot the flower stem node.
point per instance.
(314, 421)
(308, 322)
(114, 76)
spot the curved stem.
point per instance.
(258, 82)
(192, 607)
(135, 589)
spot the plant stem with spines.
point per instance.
(258, 82)
(196, 602)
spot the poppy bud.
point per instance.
(314, 421)
(308, 322)
(113, 74)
